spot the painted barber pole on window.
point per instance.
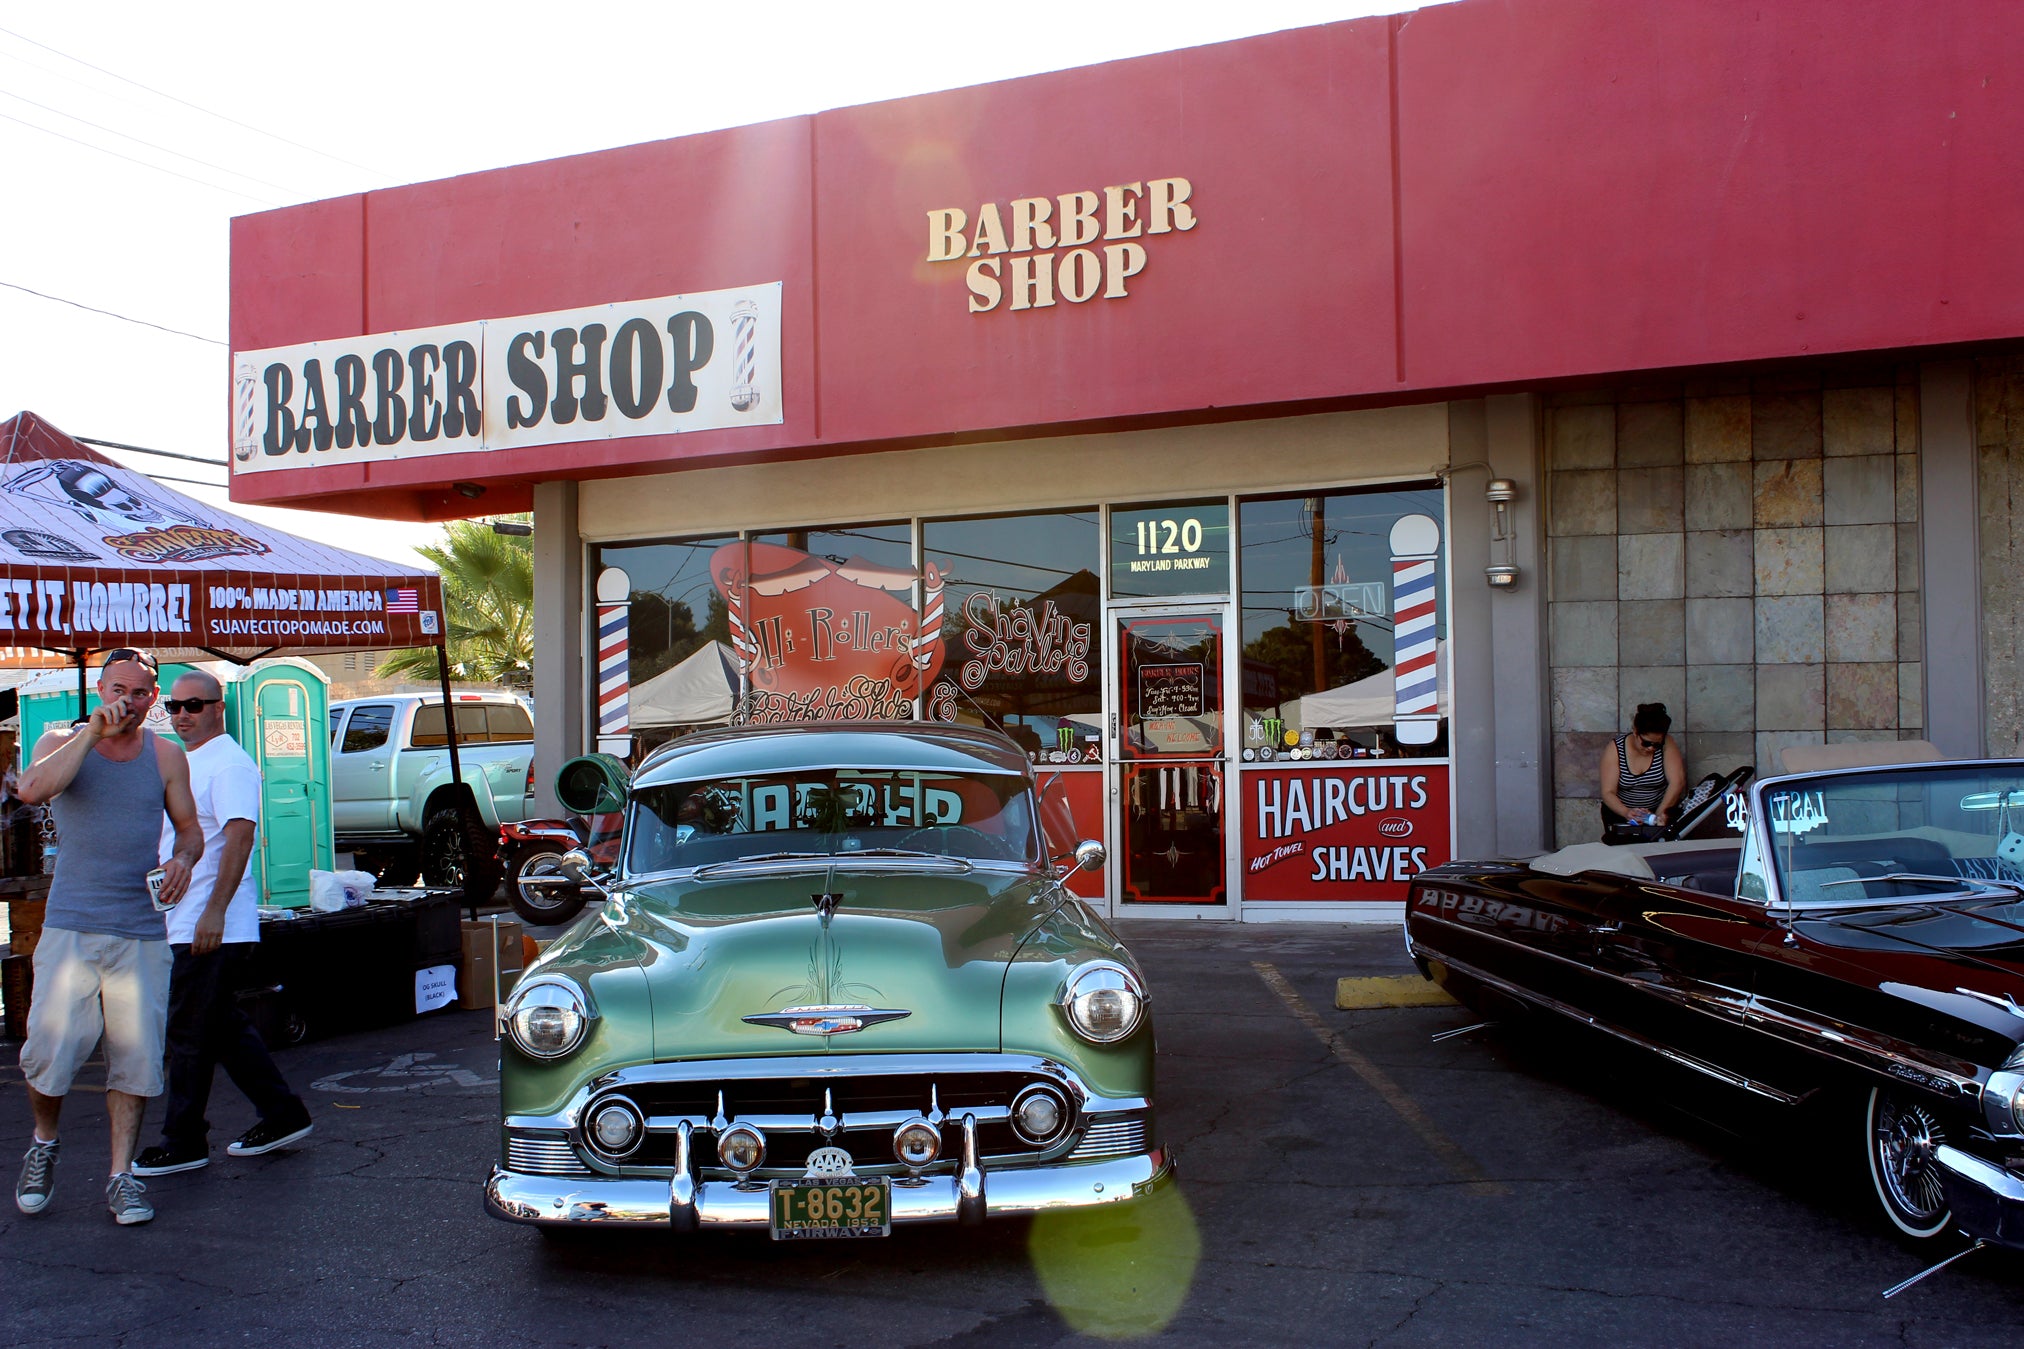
(1416, 716)
(614, 662)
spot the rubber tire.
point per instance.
(443, 850)
(536, 913)
(1912, 1225)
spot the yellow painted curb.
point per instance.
(1403, 990)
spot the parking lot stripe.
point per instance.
(1395, 990)
(1459, 1163)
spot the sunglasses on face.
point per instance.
(1648, 744)
(175, 705)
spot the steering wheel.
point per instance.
(938, 837)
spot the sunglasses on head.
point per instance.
(175, 705)
(142, 658)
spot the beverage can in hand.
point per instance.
(155, 880)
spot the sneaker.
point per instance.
(38, 1177)
(267, 1136)
(163, 1161)
(126, 1198)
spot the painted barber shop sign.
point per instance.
(822, 640)
(638, 368)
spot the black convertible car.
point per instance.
(1858, 942)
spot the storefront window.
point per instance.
(835, 623)
(676, 621)
(1176, 548)
(1325, 600)
(1022, 616)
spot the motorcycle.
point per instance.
(542, 891)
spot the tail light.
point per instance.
(530, 777)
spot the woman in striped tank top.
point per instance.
(1643, 774)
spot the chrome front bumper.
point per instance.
(1988, 1202)
(687, 1205)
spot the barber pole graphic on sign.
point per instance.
(745, 336)
(614, 662)
(1416, 713)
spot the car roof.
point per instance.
(903, 745)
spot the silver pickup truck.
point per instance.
(390, 783)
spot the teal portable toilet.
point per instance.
(279, 712)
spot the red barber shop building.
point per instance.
(1312, 446)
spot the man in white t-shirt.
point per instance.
(212, 932)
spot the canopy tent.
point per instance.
(94, 555)
(699, 690)
(1367, 702)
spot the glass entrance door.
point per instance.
(1169, 767)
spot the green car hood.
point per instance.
(933, 946)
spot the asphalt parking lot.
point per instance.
(1345, 1179)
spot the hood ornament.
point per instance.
(825, 904)
(825, 1021)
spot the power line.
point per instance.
(124, 318)
(142, 449)
(200, 182)
(113, 131)
(247, 126)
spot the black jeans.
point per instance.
(208, 1030)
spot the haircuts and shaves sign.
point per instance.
(639, 368)
(822, 640)
(1341, 833)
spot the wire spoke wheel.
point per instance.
(1903, 1134)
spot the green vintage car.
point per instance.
(837, 984)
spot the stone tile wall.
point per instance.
(1999, 439)
(1745, 553)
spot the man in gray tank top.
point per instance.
(102, 965)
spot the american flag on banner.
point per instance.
(403, 600)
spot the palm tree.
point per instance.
(488, 602)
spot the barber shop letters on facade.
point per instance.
(641, 367)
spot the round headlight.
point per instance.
(1038, 1115)
(616, 1128)
(742, 1148)
(916, 1143)
(548, 1019)
(1104, 1003)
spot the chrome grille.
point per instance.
(537, 1156)
(1111, 1136)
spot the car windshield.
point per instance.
(1897, 833)
(839, 813)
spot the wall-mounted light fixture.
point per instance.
(1500, 493)
(517, 528)
(469, 490)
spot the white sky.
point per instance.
(375, 93)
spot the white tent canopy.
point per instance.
(1367, 702)
(701, 690)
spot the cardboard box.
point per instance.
(490, 944)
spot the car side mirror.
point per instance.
(576, 865)
(1089, 855)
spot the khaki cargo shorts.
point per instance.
(88, 985)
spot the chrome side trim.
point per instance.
(1917, 1072)
(718, 1205)
(1685, 1060)
(1727, 1003)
